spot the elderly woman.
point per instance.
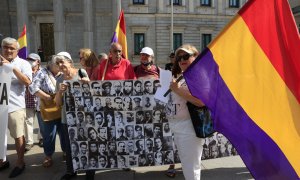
(43, 85)
(66, 66)
(189, 146)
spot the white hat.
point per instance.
(34, 57)
(184, 49)
(66, 54)
(147, 50)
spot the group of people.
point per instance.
(43, 83)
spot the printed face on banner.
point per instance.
(119, 124)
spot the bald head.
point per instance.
(116, 53)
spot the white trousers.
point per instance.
(190, 152)
(30, 117)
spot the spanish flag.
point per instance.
(23, 44)
(120, 34)
(249, 77)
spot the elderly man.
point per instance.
(147, 69)
(116, 67)
(22, 77)
(31, 102)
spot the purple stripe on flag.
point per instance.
(259, 152)
(22, 53)
(114, 38)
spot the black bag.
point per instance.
(201, 119)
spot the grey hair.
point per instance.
(9, 40)
(52, 61)
(102, 55)
(60, 57)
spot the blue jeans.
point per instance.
(48, 131)
(41, 122)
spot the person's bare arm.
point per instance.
(21, 77)
(41, 94)
(59, 94)
(185, 94)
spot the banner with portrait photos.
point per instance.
(119, 124)
(5, 82)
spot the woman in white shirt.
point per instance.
(189, 146)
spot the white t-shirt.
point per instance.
(178, 113)
(17, 89)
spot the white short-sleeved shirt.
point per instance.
(178, 113)
(17, 89)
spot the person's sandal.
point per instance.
(47, 162)
(171, 173)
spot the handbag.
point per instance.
(49, 110)
(201, 119)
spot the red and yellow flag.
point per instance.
(23, 44)
(120, 34)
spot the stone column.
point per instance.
(221, 6)
(191, 6)
(59, 26)
(116, 8)
(22, 18)
(88, 34)
(160, 6)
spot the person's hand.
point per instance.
(174, 86)
(84, 79)
(49, 98)
(63, 87)
(3, 60)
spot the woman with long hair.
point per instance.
(90, 62)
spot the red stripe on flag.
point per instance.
(122, 22)
(23, 32)
(275, 31)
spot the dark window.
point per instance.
(138, 2)
(176, 2)
(139, 42)
(234, 3)
(206, 38)
(47, 41)
(177, 40)
(205, 2)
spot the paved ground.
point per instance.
(230, 168)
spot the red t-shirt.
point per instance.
(93, 73)
(121, 71)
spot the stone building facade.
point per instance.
(295, 5)
(68, 25)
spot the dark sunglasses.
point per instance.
(185, 57)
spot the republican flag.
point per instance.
(23, 44)
(120, 34)
(249, 77)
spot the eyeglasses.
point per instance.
(185, 57)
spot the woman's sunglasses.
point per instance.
(185, 57)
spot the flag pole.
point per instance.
(171, 33)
